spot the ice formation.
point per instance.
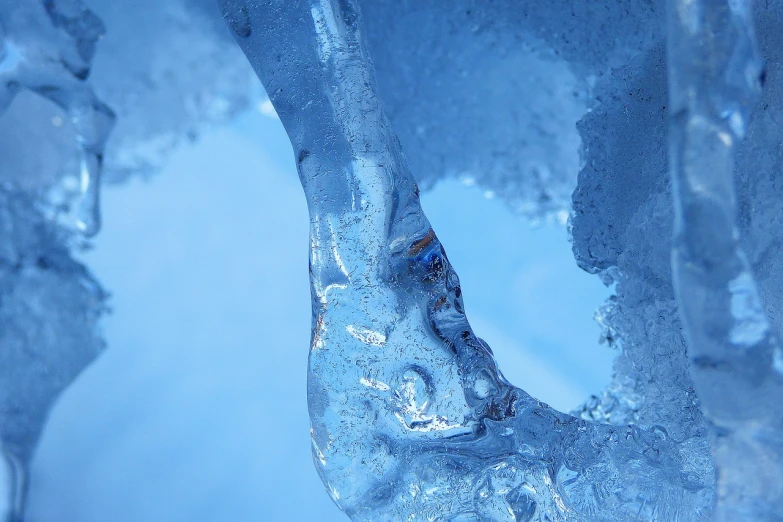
(49, 303)
(713, 83)
(411, 418)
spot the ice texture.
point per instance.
(491, 92)
(168, 69)
(60, 101)
(623, 202)
(530, 100)
(158, 100)
(411, 418)
(461, 96)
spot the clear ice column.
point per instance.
(411, 418)
(714, 79)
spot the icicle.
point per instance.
(6, 487)
(714, 78)
(49, 304)
(13, 487)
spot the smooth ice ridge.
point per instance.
(411, 418)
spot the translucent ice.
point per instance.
(622, 209)
(47, 48)
(411, 418)
(491, 93)
(715, 75)
(121, 53)
(50, 306)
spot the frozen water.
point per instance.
(50, 305)
(47, 49)
(632, 187)
(527, 100)
(168, 69)
(523, 293)
(177, 261)
(171, 423)
(411, 418)
(462, 97)
(6, 485)
(712, 89)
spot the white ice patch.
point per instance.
(366, 335)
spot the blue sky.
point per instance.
(197, 410)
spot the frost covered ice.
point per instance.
(47, 49)
(532, 100)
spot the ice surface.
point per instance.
(623, 201)
(49, 303)
(462, 97)
(171, 423)
(168, 69)
(492, 92)
(53, 130)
